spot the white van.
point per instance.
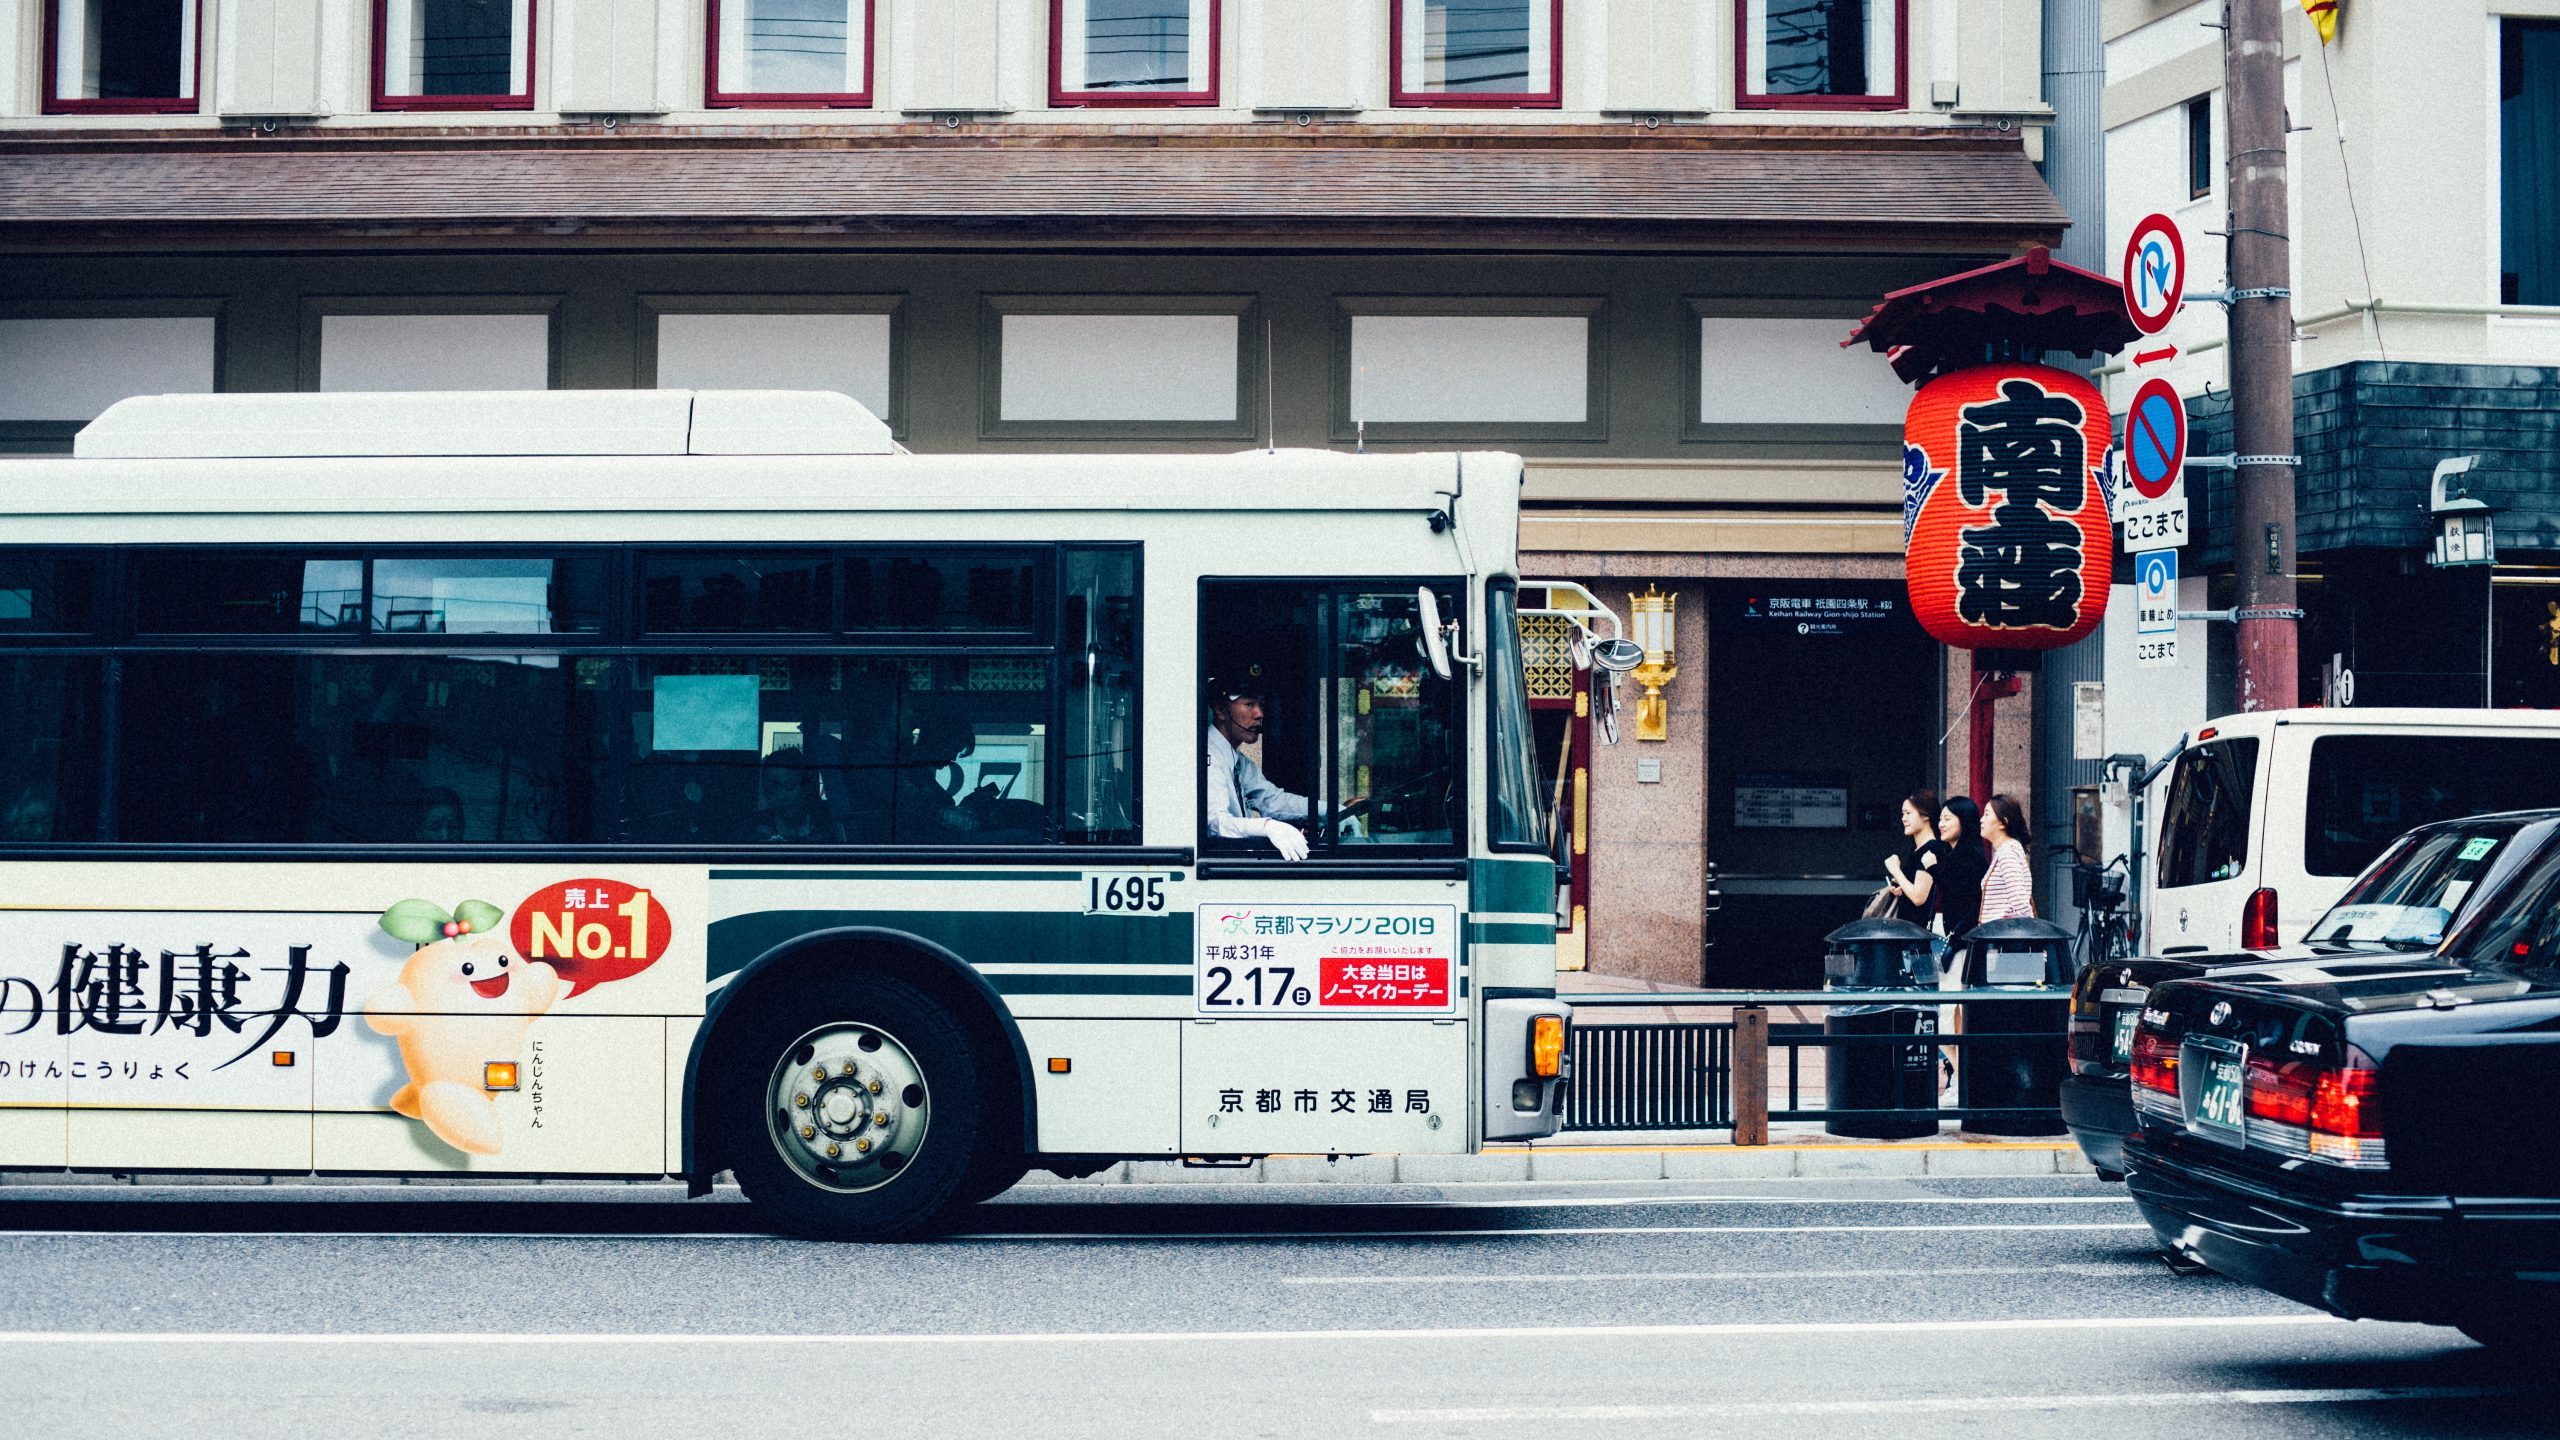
(2266, 818)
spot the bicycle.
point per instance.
(2106, 924)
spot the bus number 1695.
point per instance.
(1124, 895)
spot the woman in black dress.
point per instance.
(1910, 876)
(1957, 899)
(1957, 895)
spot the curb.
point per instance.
(1504, 1164)
(1514, 1163)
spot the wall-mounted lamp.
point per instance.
(1649, 625)
(2465, 535)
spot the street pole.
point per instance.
(2261, 354)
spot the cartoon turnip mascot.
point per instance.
(463, 1001)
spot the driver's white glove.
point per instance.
(1284, 837)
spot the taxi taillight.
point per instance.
(2088, 1044)
(2344, 1102)
(2330, 1108)
(2155, 1061)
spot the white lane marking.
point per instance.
(1080, 1236)
(369, 1195)
(1936, 1405)
(516, 1339)
(2124, 1267)
(1625, 1201)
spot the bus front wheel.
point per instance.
(856, 1109)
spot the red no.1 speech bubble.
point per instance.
(592, 931)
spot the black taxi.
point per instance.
(2403, 904)
(2377, 1137)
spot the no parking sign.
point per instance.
(2152, 506)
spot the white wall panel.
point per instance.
(1119, 367)
(435, 352)
(1654, 55)
(604, 56)
(70, 369)
(1760, 370)
(955, 54)
(848, 354)
(1299, 53)
(267, 58)
(1506, 369)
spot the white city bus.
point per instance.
(646, 784)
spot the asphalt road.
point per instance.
(1799, 1308)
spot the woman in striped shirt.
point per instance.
(2008, 891)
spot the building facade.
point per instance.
(2425, 183)
(1621, 237)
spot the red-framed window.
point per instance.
(1821, 54)
(453, 54)
(1477, 54)
(790, 54)
(122, 57)
(1133, 52)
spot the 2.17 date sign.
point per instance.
(1324, 960)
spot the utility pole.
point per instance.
(2261, 307)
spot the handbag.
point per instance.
(1879, 905)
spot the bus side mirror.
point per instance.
(1439, 637)
(1435, 648)
(1617, 656)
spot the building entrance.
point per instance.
(1822, 714)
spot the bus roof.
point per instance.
(548, 466)
(485, 422)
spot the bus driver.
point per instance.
(1242, 800)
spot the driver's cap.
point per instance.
(1241, 683)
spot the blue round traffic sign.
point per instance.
(2155, 571)
(2155, 438)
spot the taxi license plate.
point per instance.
(2217, 1107)
(2127, 1022)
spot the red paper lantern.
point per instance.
(2005, 536)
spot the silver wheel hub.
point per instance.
(848, 1107)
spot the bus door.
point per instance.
(1330, 990)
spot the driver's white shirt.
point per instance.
(1238, 788)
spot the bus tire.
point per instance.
(990, 1181)
(855, 1109)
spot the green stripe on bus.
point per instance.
(1516, 886)
(990, 873)
(1049, 937)
(1511, 934)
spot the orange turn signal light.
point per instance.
(1060, 1064)
(498, 1075)
(281, 1059)
(1546, 1046)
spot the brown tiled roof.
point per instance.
(1898, 191)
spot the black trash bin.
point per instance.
(1893, 1087)
(2003, 1076)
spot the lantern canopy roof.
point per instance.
(2016, 309)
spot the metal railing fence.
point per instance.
(1716, 1074)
